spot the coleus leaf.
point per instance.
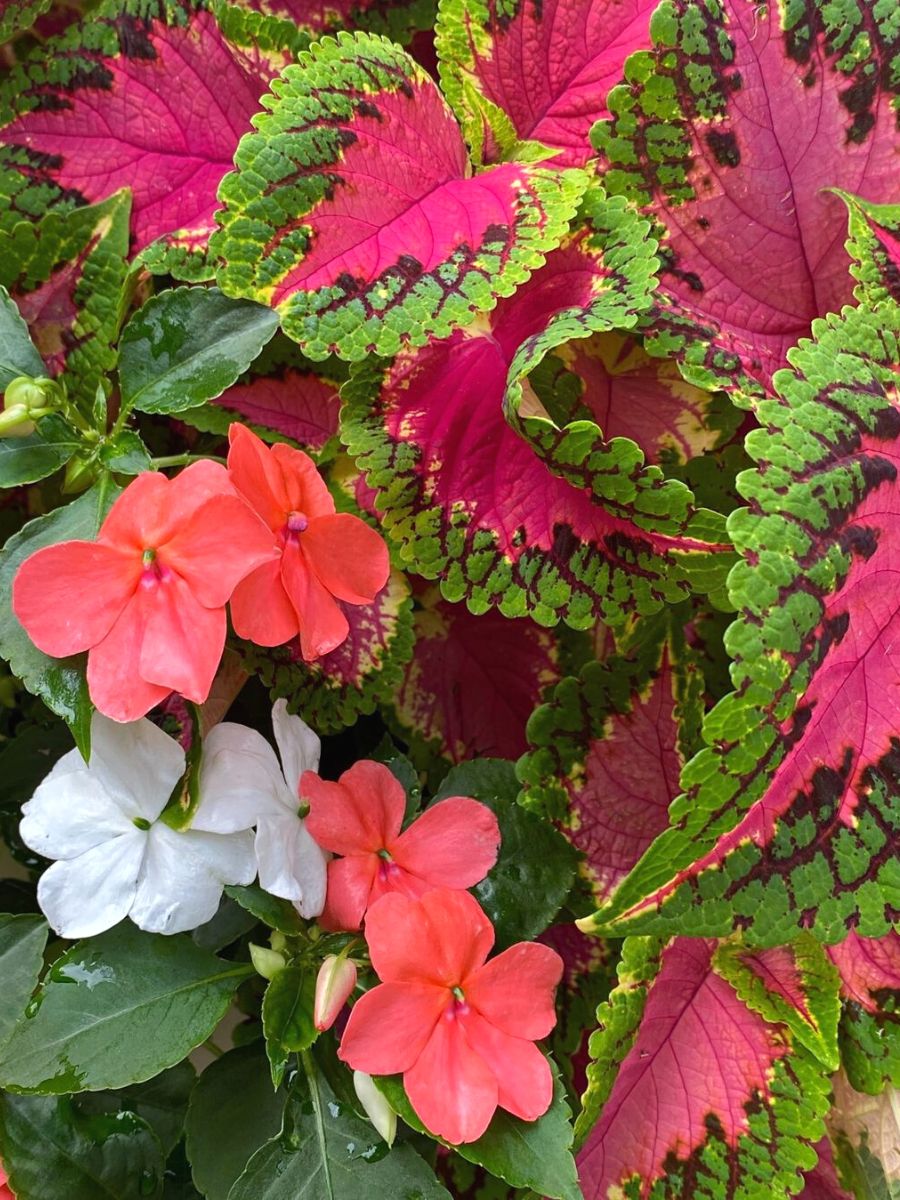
(550, 521)
(710, 1097)
(346, 209)
(67, 275)
(18, 15)
(472, 681)
(874, 247)
(333, 691)
(544, 67)
(869, 970)
(157, 105)
(588, 978)
(865, 1131)
(822, 1183)
(729, 134)
(788, 818)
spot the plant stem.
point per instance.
(182, 460)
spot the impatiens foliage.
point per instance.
(449, 704)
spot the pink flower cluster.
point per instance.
(147, 599)
(459, 1027)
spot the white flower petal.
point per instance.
(71, 813)
(240, 779)
(291, 864)
(183, 876)
(85, 895)
(298, 746)
(137, 763)
(70, 761)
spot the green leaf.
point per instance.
(27, 758)
(126, 454)
(162, 1102)
(536, 865)
(60, 682)
(233, 1112)
(39, 454)
(18, 355)
(287, 1016)
(325, 1152)
(230, 922)
(527, 1154)
(116, 1010)
(22, 942)
(19, 15)
(271, 910)
(187, 345)
(49, 1142)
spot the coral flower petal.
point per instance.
(515, 990)
(216, 546)
(323, 625)
(183, 641)
(349, 887)
(261, 611)
(348, 557)
(256, 474)
(390, 1026)
(360, 813)
(441, 938)
(306, 489)
(524, 1079)
(69, 596)
(451, 1087)
(139, 517)
(113, 673)
(452, 844)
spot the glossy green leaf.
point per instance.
(39, 454)
(162, 1102)
(118, 1009)
(271, 910)
(233, 1111)
(287, 1015)
(187, 345)
(51, 1148)
(18, 355)
(126, 454)
(22, 942)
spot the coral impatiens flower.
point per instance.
(325, 556)
(147, 599)
(453, 844)
(460, 1029)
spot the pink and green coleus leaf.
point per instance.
(543, 69)
(333, 691)
(353, 210)
(19, 15)
(869, 970)
(546, 519)
(473, 681)
(729, 133)
(874, 247)
(67, 275)
(709, 1099)
(156, 105)
(789, 817)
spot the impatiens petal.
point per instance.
(362, 812)
(183, 876)
(291, 864)
(306, 489)
(441, 938)
(69, 596)
(240, 780)
(113, 673)
(323, 625)
(524, 1079)
(86, 895)
(298, 745)
(137, 764)
(515, 990)
(390, 1026)
(139, 517)
(261, 610)
(70, 814)
(452, 844)
(217, 546)
(256, 474)
(452, 1089)
(182, 641)
(349, 889)
(348, 556)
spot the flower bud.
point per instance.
(267, 962)
(335, 982)
(376, 1105)
(24, 400)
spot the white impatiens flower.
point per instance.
(242, 784)
(115, 858)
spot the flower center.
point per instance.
(457, 1007)
(387, 868)
(153, 569)
(297, 522)
(141, 822)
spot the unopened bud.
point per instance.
(336, 980)
(266, 962)
(376, 1105)
(79, 475)
(24, 400)
(15, 421)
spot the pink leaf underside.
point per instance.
(162, 117)
(51, 312)
(300, 405)
(629, 394)
(867, 966)
(447, 400)
(552, 64)
(822, 1183)
(474, 681)
(699, 1053)
(760, 251)
(619, 801)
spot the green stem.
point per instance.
(182, 460)
(211, 1046)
